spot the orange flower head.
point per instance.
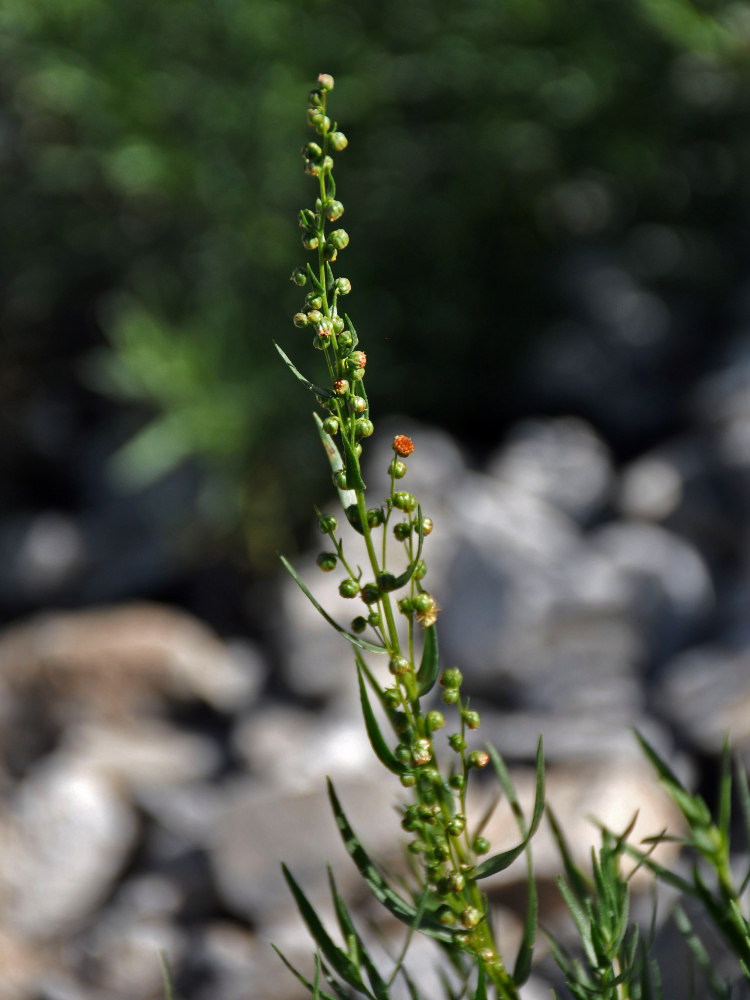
(403, 445)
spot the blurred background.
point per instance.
(548, 206)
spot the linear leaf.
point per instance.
(305, 982)
(743, 793)
(347, 497)
(378, 886)
(499, 862)
(338, 958)
(354, 480)
(349, 932)
(694, 809)
(352, 331)
(382, 751)
(522, 966)
(429, 665)
(576, 879)
(353, 639)
(315, 389)
(481, 991)
(314, 280)
(404, 578)
(725, 794)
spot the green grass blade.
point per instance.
(340, 961)
(394, 903)
(700, 954)
(724, 816)
(317, 390)
(577, 881)
(429, 666)
(349, 933)
(353, 639)
(298, 975)
(694, 809)
(381, 749)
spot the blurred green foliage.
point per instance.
(150, 190)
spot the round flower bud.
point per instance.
(330, 253)
(299, 277)
(421, 752)
(399, 665)
(441, 852)
(457, 782)
(400, 722)
(338, 141)
(403, 445)
(363, 427)
(309, 241)
(374, 619)
(415, 847)
(300, 320)
(420, 570)
(312, 151)
(457, 881)
(455, 827)
(392, 697)
(314, 301)
(374, 518)
(324, 327)
(315, 98)
(451, 678)
(471, 916)
(331, 425)
(370, 593)
(339, 238)
(401, 500)
(446, 916)
(349, 588)
(402, 530)
(481, 845)
(322, 124)
(325, 81)
(327, 163)
(397, 468)
(402, 753)
(409, 822)
(343, 286)
(334, 209)
(424, 602)
(386, 581)
(405, 606)
(359, 624)
(339, 480)
(456, 742)
(341, 386)
(315, 316)
(327, 561)
(471, 718)
(478, 758)
(435, 720)
(408, 780)
(338, 325)
(357, 359)
(357, 449)
(358, 404)
(449, 696)
(315, 116)
(345, 342)
(427, 526)
(307, 218)
(327, 523)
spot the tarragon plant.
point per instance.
(397, 625)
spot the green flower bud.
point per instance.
(342, 286)
(339, 238)
(334, 209)
(370, 593)
(327, 163)
(312, 151)
(404, 501)
(374, 619)
(478, 758)
(314, 300)
(451, 678)
(424, 602)
(440, 852)
(471, 718)
(457, 782)
(399, 665)
(356, 360)
(309, 241)
(307, 218)
(421, 752)
(327, 561)
(299, 277)
(338, 325)
(325, 81)
(406, 606)
(426, 526)
(457, 882)
(397, 468)
(449, 696)
(456, 826)
(330, 253)
(315, 98)
(409, 822)
(327, 523)
(322, 124)
(374, 519)
(315, 316)
(402, 530)
(338, 140)
(481, 845)
(359, 624)
(300, 320)
(331, 425)
(358, 374)
(456, 742)
(446, 916)
(408, 780)
(341, 386)
(420, 570)
(349, 588)
(471, 916)
(400, 722)
(435, 720)
(339, 480)
(357, 404)
(386, 582)
(324, 327)
(392, 697)
(415, 847)
(312, 168)
(357, 449)
(402, 753)
(363, 427)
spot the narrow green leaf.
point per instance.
(522, 967)
(352, 331)
(499, 862)
(329, 277)
(404, 578)
(724, 817)
(349, 932)
(315, 389)
(382, 751)
(355, 640)
(298, 975)
(340, 961)
(347, 497)
(404, 911)
(538, 812)
(582, 919)
(314, 280)
(429, 665)
(166, 975)
(699, 953)
(354, 479)
(743, 793)
(577, 881)
(694, 809)
(481, 991)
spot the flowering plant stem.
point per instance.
(446, 902)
